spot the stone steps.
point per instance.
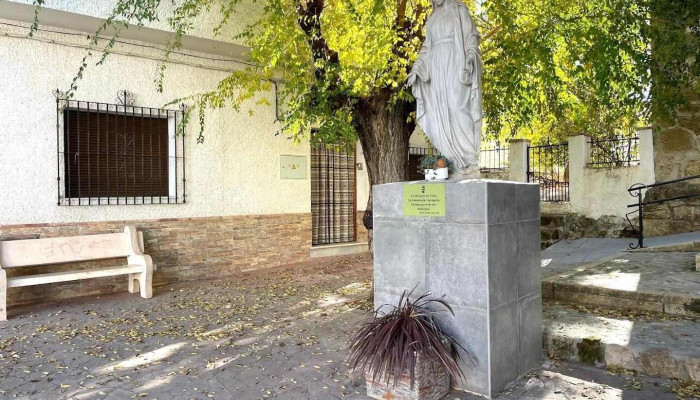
(650, 346)
(662, 302)
(662, 282)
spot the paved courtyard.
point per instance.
(667, 272)
(274, 334)
(569, 254)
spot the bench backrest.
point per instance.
(29, 252)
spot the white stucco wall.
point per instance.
(603, 191)
(362, 180)
(203, 26)
(235, 171)
(594, 192)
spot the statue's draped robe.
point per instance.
(448, 100)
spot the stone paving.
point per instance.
(573, 253)
(665, 282)
(671, 272)
(274, 334)
(569, 254)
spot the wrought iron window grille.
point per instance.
(118, 154)
(620, 151)
(494, 158)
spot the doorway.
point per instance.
(333, 195)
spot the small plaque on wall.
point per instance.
(427, 200)
(293, 167)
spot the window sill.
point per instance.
(121, 201)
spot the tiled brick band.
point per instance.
(182, 249)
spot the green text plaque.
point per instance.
(426, 200)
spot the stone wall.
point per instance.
(183, 249)
(672, 217)
(677, 155)
(677, 145)
(555, 227)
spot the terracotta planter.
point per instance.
(432, 383)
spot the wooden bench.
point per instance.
(61, 250)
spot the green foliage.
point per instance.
(674, 31)
(324, 57)
(552, 68)
(35, 24)
(562, 67)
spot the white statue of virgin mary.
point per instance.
(446, 82)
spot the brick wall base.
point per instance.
(182, 249)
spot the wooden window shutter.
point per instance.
(115, 154)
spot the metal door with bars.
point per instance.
(333, 195)
(548, 165)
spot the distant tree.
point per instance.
(562, 67)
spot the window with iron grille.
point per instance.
(117, 154)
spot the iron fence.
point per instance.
(110, 154)
(619, 151)
(490, 159)
(421, 151)
(493, 158)
(548, 165)
(414, 156)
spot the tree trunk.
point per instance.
(384, 132)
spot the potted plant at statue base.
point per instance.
(435, 168)
(404, 354)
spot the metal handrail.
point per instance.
(636, 191)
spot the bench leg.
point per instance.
(146, 281)
(3, 295)
(134, 283)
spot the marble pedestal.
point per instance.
(483, 255)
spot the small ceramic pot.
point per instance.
(437, 174)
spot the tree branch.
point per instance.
(310, 23)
